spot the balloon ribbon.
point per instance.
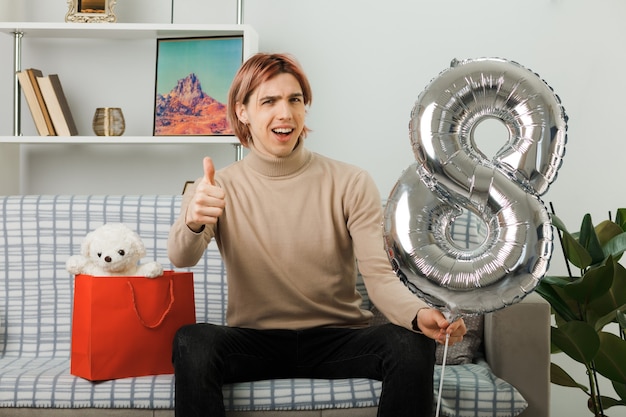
(443, 368)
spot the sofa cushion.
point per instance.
(469, 390)
(466, 350)
(472, 390)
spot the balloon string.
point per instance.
(443, 368)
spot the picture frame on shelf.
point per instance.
(187, 185)
(193, 76)
(91, 11)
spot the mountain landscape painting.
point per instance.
(192, 81)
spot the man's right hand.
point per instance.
(208, 201)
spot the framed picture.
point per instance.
(90, 11)
(193, 76)
(186, 186)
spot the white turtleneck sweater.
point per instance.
(290, 234)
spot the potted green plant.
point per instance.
(584, 304)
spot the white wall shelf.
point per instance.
(28, 36)
(122, 31)
(114, 32)
(103, 140)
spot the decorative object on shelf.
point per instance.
(192, 80)
(108, 121)
(186, 186)
(91, 11)
(57, 105)
(29, 84)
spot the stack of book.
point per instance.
(47, 103)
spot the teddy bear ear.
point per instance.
(85, 246)
(137, 245)
(141, 248)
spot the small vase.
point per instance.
(108, 121)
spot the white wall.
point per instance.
(368, 61)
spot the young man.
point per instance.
(292, 226)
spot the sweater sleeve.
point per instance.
(184, 246)
(384, 288)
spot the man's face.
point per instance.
(275, 114)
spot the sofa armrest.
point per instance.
(517, 348)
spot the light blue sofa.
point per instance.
(39, 233)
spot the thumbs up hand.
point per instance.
(209, 170)
(208, 201)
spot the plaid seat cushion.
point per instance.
(47, 383)
(39, 233)
(469, 390)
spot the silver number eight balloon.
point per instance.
(507, 251)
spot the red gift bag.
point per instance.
(124, 326)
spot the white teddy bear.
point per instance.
(112, 249)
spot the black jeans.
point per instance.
(206, 356)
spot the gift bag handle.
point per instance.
(167, 310)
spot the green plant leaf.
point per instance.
(575, 252)
(612, 236)
(558, 223)
(554, 348)
(606, 231)
(601, 322)
(576, 339)
(621, 316)
(547, 289)
(558, 376)
(620, 389)
(567, 239)
(615, 246)
(611, 358)
(589, 240)
(594, 284)
(614, 298)
(620, 218)
(607, 402)
(557, 280)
